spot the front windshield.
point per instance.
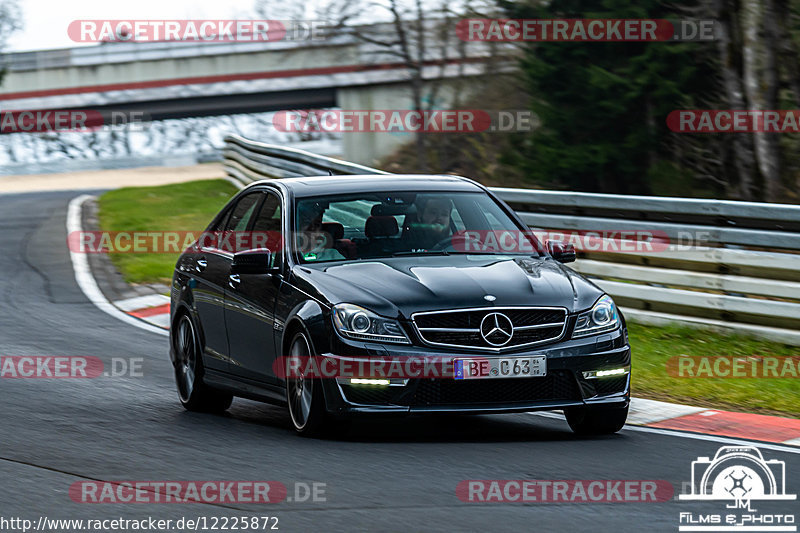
(381, 225)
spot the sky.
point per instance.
(46, 21)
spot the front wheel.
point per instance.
(596, 420)
(193, 393)
(304, 393)
(305, 396)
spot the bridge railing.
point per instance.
(724, 265)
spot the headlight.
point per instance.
(602, 317)
(358, 323)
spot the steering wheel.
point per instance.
(455, 242)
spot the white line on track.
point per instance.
(83, 274)
(695, 436)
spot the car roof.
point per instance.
(319, 185)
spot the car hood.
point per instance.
(401, 286)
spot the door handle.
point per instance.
(233, 281)
(201, 264)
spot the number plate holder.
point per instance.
(528, 366)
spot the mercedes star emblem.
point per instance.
(497, 329)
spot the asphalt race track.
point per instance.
(387, 475)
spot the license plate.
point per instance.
(499, 367)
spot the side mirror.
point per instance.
(253, 262)
(561, 252)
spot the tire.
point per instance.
(596, 420)
(304, 395)
(192, 392)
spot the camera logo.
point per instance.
(740, 474)
(737, 475)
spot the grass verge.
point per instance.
(653, 346)
(191, 206)
(180, 207)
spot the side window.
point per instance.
(229, 233)
(213, 237)
(222, 222)
(269, 217)
(267, 229)
(243, 212)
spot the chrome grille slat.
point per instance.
(532, 326)
(455, 330)
(538, 326)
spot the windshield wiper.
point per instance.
(464, 252)
(424, 252)
(505, 254)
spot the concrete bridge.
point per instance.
(168, 80)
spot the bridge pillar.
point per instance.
(368, 147)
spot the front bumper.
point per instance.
(563, 387)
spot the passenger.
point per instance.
(313, 243)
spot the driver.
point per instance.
(313, 243)
(433, 226)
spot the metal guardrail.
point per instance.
(249, 161)
(724, 265)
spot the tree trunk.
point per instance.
(743, 152)
(787, 50)
(421, 49)
(761, 84)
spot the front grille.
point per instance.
(557, 385)
(462, 328)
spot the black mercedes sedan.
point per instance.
(396, 294)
